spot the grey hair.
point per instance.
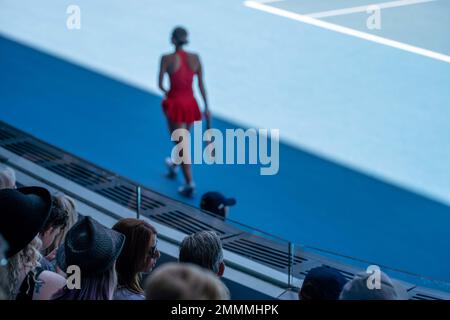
(7, 177)
(357, 289)
(202, 248)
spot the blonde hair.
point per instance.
(21, 263)
(184, 281)
(67, 204)
(7, 177)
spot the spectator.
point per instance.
(358, 289)
(217, 203)
(67, 205)
(181, 281)
(204, 249)
(94, 249)
(55, 223)
(23, 213)
(7, 178)
(139, 255)
(322, 283)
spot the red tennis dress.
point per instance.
(180, 105)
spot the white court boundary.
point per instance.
(348, 31)
(382, 5)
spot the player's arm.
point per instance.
(202, 88)
(162, 71)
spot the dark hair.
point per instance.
(135, 253)
(179, 36)
(204, 249)
(92, 287)
(58, 214)
(322, 283)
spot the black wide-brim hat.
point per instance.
(91, 246)
(23, 213)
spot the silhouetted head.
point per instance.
(184, 281)
(322, 283)
(179, 36)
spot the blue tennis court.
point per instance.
(365, 152)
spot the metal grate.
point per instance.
(347, 275)
(259, 252)
(420, 296)
(6, 135)
(185, 223)
(32, 152)
(78, 174)
(126, 196)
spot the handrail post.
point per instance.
(138, 202)
(290, 263)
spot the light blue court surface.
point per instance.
(364, 167)
(421, 23)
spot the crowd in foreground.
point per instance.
(44, 242)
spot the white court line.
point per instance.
(383, 5)
(269, 1)
(347, 31)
